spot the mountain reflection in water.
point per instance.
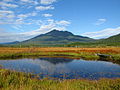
(57, 60)
(64, 68)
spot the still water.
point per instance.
(64, 68)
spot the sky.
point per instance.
(23, 19)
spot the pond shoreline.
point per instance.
(72, 55)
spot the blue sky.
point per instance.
(24, 19)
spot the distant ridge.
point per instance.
(15, 42)
(111, 41)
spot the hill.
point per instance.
(115, 38)
(111, 41)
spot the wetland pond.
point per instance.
(64, 68)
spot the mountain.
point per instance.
(65, 38)
(56, 37)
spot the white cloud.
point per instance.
(51, 24)
(5, 12)
(103, 33)
(100, 21)
(6, 16)
(10, 16)
(30, 1)
(17, 27)
(46, 2)
(33, 14)
(22, 16)
(44, 28)
(42, 8)
(7, 0)
(47, 15)
(63, 22)
(25, 0)
(8, 5)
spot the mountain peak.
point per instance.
(54, 30)
(59, 33)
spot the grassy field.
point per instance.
(11, 80)
(21, 81)
(85, 53)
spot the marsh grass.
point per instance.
(84, 53)
(11, 80)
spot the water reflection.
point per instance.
(57, 60)
(64, 68)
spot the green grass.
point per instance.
(11, 80)
(84, 55)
